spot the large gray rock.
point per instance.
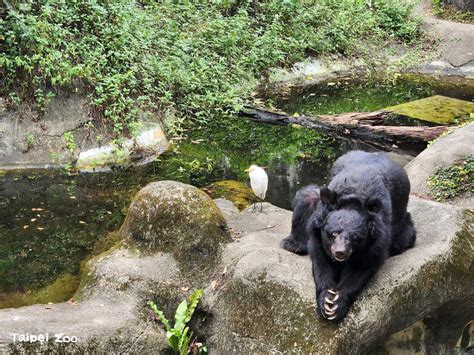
(444, 152)
(258, 298)
(267, 304)
(180, 219)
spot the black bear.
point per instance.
(351, 227)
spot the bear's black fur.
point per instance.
(350, 227)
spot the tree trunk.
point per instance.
(367, 127)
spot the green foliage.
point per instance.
(30, 140)
(451, 181)
(449, 12)
(200, 58)
(179, 337)
(69, 139)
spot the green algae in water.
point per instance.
(437, 109)
(50, 222)
(356, 95)
(352, 96)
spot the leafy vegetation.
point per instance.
(70, 143)
(180, 339)
(453, 180)
(449, 12)
(201, 59)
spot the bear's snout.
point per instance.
(341, 248)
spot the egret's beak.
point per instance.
(246, 170)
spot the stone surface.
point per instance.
(445, 151)
(456, 41)
(109, 314)
(180, 219)
(227, 208)
(28, 140)
(149, 143)
(259, 298)
(274, 289)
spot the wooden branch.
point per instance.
(367, 127)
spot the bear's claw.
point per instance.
(329, 306)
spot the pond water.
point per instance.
(353, 95)
(50, 222)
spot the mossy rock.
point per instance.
(232, 190)
(179, 219)
(60, 290)
(436, 109)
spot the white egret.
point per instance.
(258, 182)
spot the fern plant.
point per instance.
(179, 337)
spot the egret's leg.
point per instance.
(253, 208)
(261, 208)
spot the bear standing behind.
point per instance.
(351, 227)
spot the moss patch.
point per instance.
(235, 191)
(437, 109)
(179, 219)
(60, 290)
(453, 180)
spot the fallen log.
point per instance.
(367, 127)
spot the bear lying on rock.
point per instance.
(351, 226)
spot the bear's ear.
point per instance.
(373, 205)
(327, 196)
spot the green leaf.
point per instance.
(173, 337)
(160, 315)
(184, 341)
(193, 302)
(180, 316)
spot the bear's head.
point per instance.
(348, 227)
